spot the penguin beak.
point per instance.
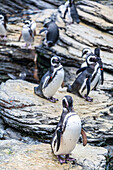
(84, 53)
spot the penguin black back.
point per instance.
(52, 34)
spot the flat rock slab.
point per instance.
(25, 111)
(20, 156)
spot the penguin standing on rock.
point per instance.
(32, 25)
(51, 81)
(27, 33)
(52, 33)
(100, 70)
(3, 28)
(67, 132)
(82, 84)
(70, 10)
(97, 75)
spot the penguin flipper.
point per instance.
(84, 137)
(102, 76)
(80, 70)
(88, 85)
(59, 134)
(42, 30)
(20, 37)
(31, 34)
(65, 12)
(46, 82)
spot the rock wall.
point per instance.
(22, 110)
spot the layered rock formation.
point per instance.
(21, 109)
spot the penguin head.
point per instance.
(27, 22)
(55, 61)
(91, 59)
(67, 103)
(97, 52)
(47, 21)
(1, 17)
(86, 52)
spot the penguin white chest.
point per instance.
(2, 29)
(54, 85)
(71, 134)
(26, 36)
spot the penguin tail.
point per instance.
(37, 91)
(50, 43)
(69, 88)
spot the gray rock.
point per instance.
(15, 154)
(24, 111)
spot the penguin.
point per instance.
(82, 84)
(100, 70)
(51, 81)
(3, 27)
(85, 52)
(70, 9)
(27, 34)
(32, 25)
(97, 75)
(67, 132)
(52, 33)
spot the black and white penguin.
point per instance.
(100, 70)
(85, 53)
(52, 33)
(27, 33)
(69, 10)
(3, 28)
(51, 81)
(32, 25)
(67, 131)
(97, 75)
(82, 84)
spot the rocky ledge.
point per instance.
(26, 112)
(22, 110)
(15, 155)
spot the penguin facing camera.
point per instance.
(82, 84)
(51, 81)
(67, 132)
(32, 25)
(69, 10)
(97, 76)
(52, 33)
(28, 33)
(3, 27)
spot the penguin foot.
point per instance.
(87, 98)
(29, 47)
(61, 160)
(67, 158)
(4, 38)
(52, 99)
(24, 45)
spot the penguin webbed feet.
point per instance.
(52, 99)
(87, 98)
(67, 158)
(61, 160)
(64, 160)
